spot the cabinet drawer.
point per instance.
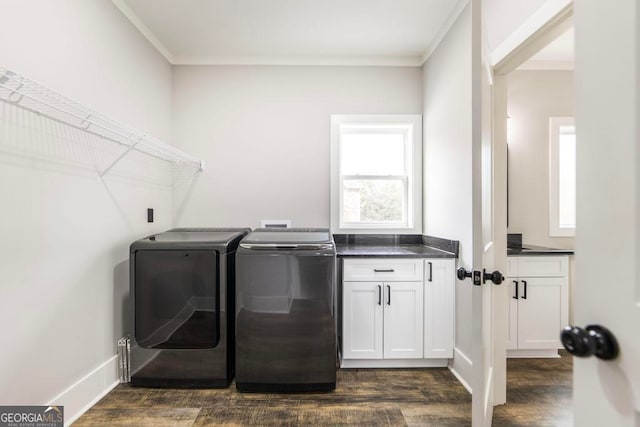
(539, 266)
(512, 266)
(368, 269)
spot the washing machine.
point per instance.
(285, 311)
(183, 288)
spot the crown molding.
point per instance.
(453, 17)
(296, 60)
(293, 60)
(144, 30)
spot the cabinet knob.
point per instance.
(592, 340)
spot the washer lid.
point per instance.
(292, 238)
(196, 236)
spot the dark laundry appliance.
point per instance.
(285, 311)
(183, 286)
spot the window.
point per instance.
(562, 176)
(376, 173)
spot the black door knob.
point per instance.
(496, 277)
(462, 273)
(592, 340)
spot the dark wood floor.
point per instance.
(539, 394)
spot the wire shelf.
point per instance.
(24, 93)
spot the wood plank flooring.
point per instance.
(539, 394)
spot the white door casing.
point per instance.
(607, 289)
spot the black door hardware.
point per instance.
(592, 340)
(479, 278)
(515, 285)
(462, 273)
(389, 290)
(430, 271)
(524, 294)
(496, 277)
(379, 294)
(383, 270)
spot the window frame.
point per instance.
(555, 230)
(412, 181)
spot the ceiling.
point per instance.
(558, 55)
(313, 32)
(325, 32)
(504, 17)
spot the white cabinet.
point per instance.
(397, 312)
(538, 305)
(382, 320)
(403, 336)
(362, 320)
(439, 303)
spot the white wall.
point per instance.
(264, 133)
(447, 160)
(533, 97)
(65, 234)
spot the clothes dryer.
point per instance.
(183, 287)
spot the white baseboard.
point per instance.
(86, 392)
(393, 363)
(462, 368)
(545, 354)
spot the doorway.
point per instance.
(534, 85)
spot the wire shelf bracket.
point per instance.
(26, 94)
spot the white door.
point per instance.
(489, 232)
(362, 320)
(607, 285)
(403, 333)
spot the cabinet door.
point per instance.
(542, 312)
(439, 304)
(403, 320)
(512, 312)
(362, 320)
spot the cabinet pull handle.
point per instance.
(383, 270)
(389, 291)
(524, 294)
(379, 294)
(430, 271)
(515, 283)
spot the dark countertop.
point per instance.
(397, 251)
(394, 245)
(532, 250)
